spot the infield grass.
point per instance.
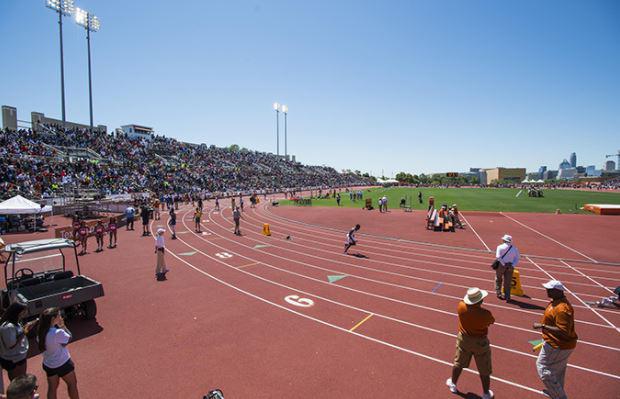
(479, 199)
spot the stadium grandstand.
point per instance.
(51, 160)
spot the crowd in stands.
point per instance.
(39, 164)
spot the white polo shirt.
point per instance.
(511, 257)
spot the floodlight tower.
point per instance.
(62, 7)
(276, 107)
(285, 110)
(91, 23)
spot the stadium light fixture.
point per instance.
(62, 7)
(285, 110)
(276, 107)
(91, 23)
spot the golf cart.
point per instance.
(42, 289)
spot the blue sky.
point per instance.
(371, 85)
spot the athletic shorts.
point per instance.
(478, 347)
(60, 371)
(10, 365)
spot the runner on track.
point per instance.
(351, 238)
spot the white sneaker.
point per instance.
(489, 395)
(451, 385)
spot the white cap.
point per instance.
(554, 285)
(507, 238)
(161, 231)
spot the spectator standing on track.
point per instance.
(99, 232)
(508, 256)
(53, 338)
(23, 387)
(385, 203)
(197, 217)
(237, 219)
(241, 203)
(558, 332)
(130, 214)
(472, 340)
(173, 223)
(112, 227)
(14, 343)
(351, 238)
(145, 214)
(200, 203)
(160, 245)
(217, 203)
(83, 234)
(76, 227)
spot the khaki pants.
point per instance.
(503, 277)
(161, 264)
(551, 367)
(478, 347)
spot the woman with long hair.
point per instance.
(53, 338)
(14, 340)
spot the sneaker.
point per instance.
(451, 385)
(489, 395)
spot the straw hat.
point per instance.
(474, 295)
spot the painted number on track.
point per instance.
(223, 255)
(297, 301)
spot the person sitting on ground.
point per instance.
(351, 238)
(22, 387)
(454, 214)
(611, 302)
(432, 219)
(445, 219)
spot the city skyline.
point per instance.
(399, 86)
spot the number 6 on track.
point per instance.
(297, 301)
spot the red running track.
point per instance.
(222, 321)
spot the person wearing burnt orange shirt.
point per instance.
(558, 332)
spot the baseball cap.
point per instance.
(554, 285)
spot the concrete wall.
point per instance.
(39, 117)
(9, 117)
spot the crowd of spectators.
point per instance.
(39, 164)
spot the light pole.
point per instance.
(62, 7)
(276, 107)
(91, 24)
(285, 110)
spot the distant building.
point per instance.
(541, 172)
(550, 175)
(590, 170)
(573, 160)
(609, 166)
(564, 165)
(581, 169)
(514, 175)
(138, 132)
(567, 173)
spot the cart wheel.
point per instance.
(90, 309)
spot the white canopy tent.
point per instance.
(19, 205)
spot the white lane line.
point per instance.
(475, 232)
(530, 331)
(552, 239)
(589, 278)
(320, 235)
(358, 334)
(400, 275)
(579, 299)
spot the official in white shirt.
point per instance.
(508, 256)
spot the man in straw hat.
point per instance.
(558, 332)
(508, 256)
(160, 269)
(474, 322)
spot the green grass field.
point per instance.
(480, 199)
